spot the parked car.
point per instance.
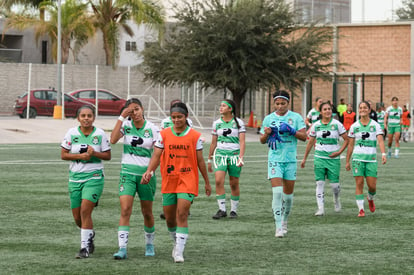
(42, 102)
(108, 102)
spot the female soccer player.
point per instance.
(139, 138)
(182, 157)
(364, 135)
(85, 146)
(406, 122)
(313, 114)
(327, 164)
(281, 130)
(392, 124)
(226, 152)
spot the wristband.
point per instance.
(384, 154)
(208, 160)
(121, 118)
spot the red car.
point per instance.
(108, 102)
(42, 102)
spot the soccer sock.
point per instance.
(173, 233)
(287, 205)
(221, 200)
(85, 235)
(149, 233)
(389, 150)
(320, 194)
(336, 189)
(360, 201)
(182, 236)
(397, 150)
(123, 232)
(234, 202)
(371, 195)
(277, 205)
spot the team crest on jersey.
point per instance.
(290, 121)
(147, 134)
(372, 129)
(332, 127)
(234, 124)
(95, 140)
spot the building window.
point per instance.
(130, 46)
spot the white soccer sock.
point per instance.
(277, 205)
(85, 235)
(149, 237)
(180, 243)
(320, 194)
(397, 151)
(360, 204)
(123, 238)
(222, 204)
(336, 189)
(234, 205)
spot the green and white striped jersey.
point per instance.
(380, 118)
(365, 146)
(394, 116)
(138, 146)
(327, 137)
(76, 142)
(228, 134)
(313, 115)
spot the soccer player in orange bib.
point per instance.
(182, 151)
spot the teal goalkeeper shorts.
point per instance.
(284, 170)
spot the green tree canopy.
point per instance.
(112, 16)
(245, 45)
(76, 26)
(407, 11)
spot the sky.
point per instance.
(374, 10)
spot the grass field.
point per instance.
(38, 235)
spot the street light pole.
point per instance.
(58, 111)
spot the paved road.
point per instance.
(14, 130)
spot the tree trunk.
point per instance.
(108, 51)
(237, 98)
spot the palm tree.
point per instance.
(7, 4)
(76, 26)
(111, 17)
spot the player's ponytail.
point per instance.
(233, 110)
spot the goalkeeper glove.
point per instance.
(273, 137)
(286, 128)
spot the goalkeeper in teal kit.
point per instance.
(281, 130)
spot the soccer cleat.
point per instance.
(91, 245)
(83, 253)
(337, 203)
(279, 233)
(284, 227)
(173, 252)
(149, 250)
(220, 214)
(396, 156)
(361, 213)
(178, 258)
(320, 212)
(371, 205)
(121, 254)
(162, 216)
(233, 215)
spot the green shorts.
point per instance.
(130, 184)
(227, 163)
(90, 190)
(394, 129)
(284, 170)
(405, 127)
(327, 168)
(171, 198)
(364, 169)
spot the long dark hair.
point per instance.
(233, 110)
